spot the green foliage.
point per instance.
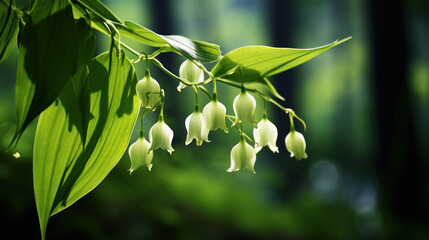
(258, 62)
(98, 8)
(47, 59)
(191, 49)
(88, 106)
(9, 23)
(65, 168)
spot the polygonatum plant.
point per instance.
(88, 105)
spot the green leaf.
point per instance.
(192, 49)
(86, 52)
(99, 9)
(64, 168)
(9, 23)
(259, 62)
(141, 34)
(97, 22)
(47, 59)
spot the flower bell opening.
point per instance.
(161, 136)
(243, 156)
(196, 128)
(140, 154)
(265, 135)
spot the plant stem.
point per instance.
(110, 23)
(239, 130)
(160, 66)
(201, 66)
(292, 126)
(264, 116)
(269, 99)
(161, 111)
(205, 91)
(142, 118)
(197, 106)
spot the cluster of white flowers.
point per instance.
(198, 125)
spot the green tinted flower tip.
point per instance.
(265, 135)
(140, 154)
(148, 91)
(295, 144)
(244, 107)
(243, 156)
(161, 136)
(191, 72)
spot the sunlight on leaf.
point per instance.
(259, 62)
(46, 62)
(9, 23)
(65, 169)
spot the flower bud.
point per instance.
(191, 72)
(243, 156)
(140, 154)
(148, 90)
(265, 134)
(244, 107)
(196, 128)
(214, 116)
(295, 144)
(161, 136)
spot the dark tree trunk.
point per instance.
(281, 22)
(398, 167)
(281, 26)
(163, 23)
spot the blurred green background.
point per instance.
(365, 102)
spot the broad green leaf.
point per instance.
(97, 22)
(259, 62)
(99, 9)
(47, 58)
(86, 52)
(64, 168)
(192, 49)
(9, 23)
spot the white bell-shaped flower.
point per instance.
(265, 134)
(191, 72)
(148, 91)
(196, 128)
(243, 156)
(244, 107)
(295, 144)
(140, 154)
(214, 116)
(161, 136)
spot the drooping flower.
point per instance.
(148, 91)
(140, 154)
(214, 116)
(295, 144)
(161, 136)
(265, 134)
(191, 72)
(244, 107)
(196, 128)
(243, 156)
